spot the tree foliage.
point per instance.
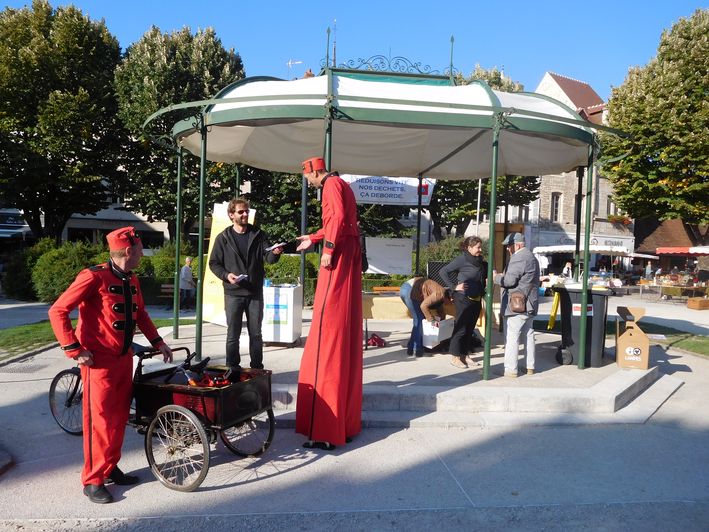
(58, 132)
(160, 70)
(664, 106)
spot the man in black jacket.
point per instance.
(237, 259)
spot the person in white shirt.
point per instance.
(187, 286)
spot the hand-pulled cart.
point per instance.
(181, 420)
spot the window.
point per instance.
(555, 212)
(611, 208)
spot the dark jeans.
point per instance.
(186, 297)
(467, 312)
(235, 307)
(415, 343)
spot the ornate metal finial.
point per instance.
(327, 52)
(381, 63)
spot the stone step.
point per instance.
(636, 412)
(607, 396)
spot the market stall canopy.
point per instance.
(694, 251)
(616, 251)
(383, 124)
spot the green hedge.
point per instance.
(17, 282)
(59, 266)
(57, 269)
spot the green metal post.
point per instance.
(200, 244)
(491, 246)
(178, 244)
(586, 258)
(237, 192)
(577, 262)
(418, 227)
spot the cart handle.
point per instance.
(143, 352)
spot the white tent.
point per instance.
(380, 125)
(616, 251)
(394, 124)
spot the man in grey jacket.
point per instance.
(521, 275)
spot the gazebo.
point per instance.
(389, 123)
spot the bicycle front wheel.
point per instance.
(65, 400)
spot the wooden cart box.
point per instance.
(221, 407)
(698, 303)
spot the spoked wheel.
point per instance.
(65, 397)
(251, 437)
(177, 448)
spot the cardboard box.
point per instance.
(698, 303)
(632, 346)
(435, 334)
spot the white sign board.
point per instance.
(381, 190)
(389, 255)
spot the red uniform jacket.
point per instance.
(110, 306)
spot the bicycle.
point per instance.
(180, 420)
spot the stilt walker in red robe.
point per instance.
(329, 406)
(110, 306)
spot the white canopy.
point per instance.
(389, 125)
(616, 251)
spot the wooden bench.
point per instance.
(167, 291)
(385, 289)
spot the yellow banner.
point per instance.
(213, 295)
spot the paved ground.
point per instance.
(650, 476)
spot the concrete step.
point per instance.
(606, 397)
(638, 411)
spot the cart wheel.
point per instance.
(177, 448)
(251, 437)
(65, 396)
(564, 356)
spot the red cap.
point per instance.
(122, 238)
(313, 164)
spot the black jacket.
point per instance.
(468, 269)
(225, 259)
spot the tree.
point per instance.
(58, 133)
(664, 107)
(160, 70)
(454, 203)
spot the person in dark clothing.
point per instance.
(465, 276)
(237, 259)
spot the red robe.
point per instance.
(106, 329)
(329, 406)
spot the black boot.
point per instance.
(98, 493)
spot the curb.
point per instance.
(19, 357)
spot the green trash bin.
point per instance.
(570, 309)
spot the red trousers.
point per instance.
(108, 388)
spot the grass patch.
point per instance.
(24, 338)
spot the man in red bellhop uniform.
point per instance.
(110, 306)
(329, 407)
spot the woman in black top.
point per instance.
(466, 276)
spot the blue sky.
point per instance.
(595, 42)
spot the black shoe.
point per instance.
(119, 478)
(98, 493)
(325, 446)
